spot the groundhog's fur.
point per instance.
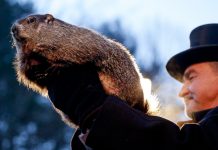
(42, 40)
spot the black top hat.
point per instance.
(204, 48)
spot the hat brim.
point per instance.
(179, 62)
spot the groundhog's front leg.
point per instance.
(77, 93)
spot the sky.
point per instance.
(166, 23)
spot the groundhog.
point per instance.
(44, 42)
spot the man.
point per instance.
(107, 123)
(197, 69)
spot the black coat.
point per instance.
(119, 127)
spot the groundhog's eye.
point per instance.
(31, 20)
(49, 18)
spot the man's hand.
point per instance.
(77, 91)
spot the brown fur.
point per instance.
(42, 40)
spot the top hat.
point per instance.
(203, 48)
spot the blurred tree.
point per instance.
(27, 120)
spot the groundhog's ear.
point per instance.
(49, 19)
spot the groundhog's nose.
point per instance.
(14, 29)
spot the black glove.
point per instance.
(78, 93)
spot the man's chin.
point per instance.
(189, 112)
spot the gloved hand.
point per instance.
(78, 93)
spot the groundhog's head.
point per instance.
(45, 44)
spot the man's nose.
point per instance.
(184, 91)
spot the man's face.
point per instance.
(200, 88)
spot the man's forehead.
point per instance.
(190, 69)
(193, 69)
(196, 67)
